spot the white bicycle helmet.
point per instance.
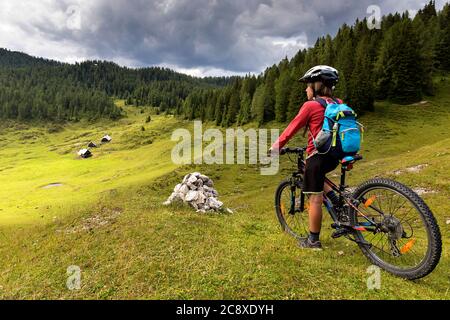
(326, 74)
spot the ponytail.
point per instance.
(322, 90)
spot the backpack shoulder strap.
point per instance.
(322, 102)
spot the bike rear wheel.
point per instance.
(407, 241)
(287, 207)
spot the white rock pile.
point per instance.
(198, 191)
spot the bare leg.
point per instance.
(315, 212)
(326, 188)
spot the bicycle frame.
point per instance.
(339, 189)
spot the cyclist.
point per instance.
(320, 81)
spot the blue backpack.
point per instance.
(341, 134)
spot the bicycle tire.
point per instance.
(434, 250)
(285, 226)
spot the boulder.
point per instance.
(191, 196)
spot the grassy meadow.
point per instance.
(107, 217)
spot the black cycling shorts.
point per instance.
(317, 167)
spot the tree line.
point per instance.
(395, 62)
(36, 88)
(24, 95)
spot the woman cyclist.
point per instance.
(320, 81)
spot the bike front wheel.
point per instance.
(397, 230)
(287, 206)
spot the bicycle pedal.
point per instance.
(340, 232)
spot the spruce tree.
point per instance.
(269, 94)
(282, 91)
(258, 105)
(399, 67)
(233, 108)
(297, 95)
(442, 50)
(344, 47)
(426, 26)
(360, 85)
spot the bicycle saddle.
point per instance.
(351, 159)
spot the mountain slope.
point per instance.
(39, 89)
(15, 59)
(107, 216)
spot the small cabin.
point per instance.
(92, 145)
(106, 139)
(85, 153)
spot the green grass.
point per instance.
(43, 158)
(107, 218)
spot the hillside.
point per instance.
(15, 59)
(34, 88)
(106, 215)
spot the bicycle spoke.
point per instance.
(406, 214)
(295, 224)
(381, 238)
(401, 214)
(390, 204)
(404, 202)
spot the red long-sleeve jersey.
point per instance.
(311, 114)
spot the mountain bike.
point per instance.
(391, 224)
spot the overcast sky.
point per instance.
(199, 37)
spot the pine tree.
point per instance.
(282, 91)
(399, 67)
(327, 56)
(344, 46)
(443, 43)
(426, 26)
(360, 85)
(233, 108)
(297, 95)
(269, 94)
(220, 106)
(247, 89)
(258, 105)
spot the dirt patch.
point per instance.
(53, 185)
(422, 191)
(104, 217)
(414, 169)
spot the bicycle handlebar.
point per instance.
(292, 151)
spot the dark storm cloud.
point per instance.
(236, 36)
